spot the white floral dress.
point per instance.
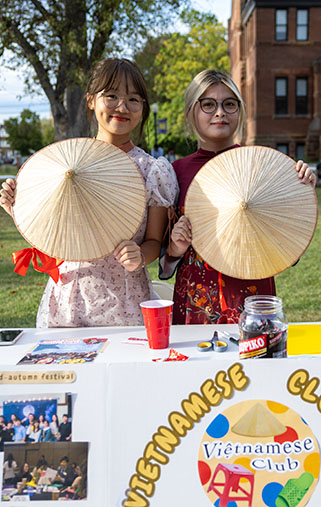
(102, 292)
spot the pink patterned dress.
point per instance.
(102, 292)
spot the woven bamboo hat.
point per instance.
(258, 422)
(251, 217)
(78, 199)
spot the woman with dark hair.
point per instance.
(80, 483)
(24, 473)
(35, 434)
(54, 425)
(13, 418)
(41, 420)
(29, 423)
(46, 435)
(107, 292)
(78, 489)
(38, 468)
(9, 470)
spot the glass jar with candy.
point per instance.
(263, 328)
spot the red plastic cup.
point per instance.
(157, 314)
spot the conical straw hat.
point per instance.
(258, 422)
(78, 199)
(251, 217)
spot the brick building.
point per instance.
(275, 53)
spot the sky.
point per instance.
(13, 98)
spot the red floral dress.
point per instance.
(202, 295)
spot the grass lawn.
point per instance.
(299, 287)
(7, 169)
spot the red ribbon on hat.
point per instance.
(22, 259)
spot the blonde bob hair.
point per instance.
(199, 85)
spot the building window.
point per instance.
(299, 151)
(281, 24)
(302, 24)
(283, 147)
(301, 98)
(281, 95)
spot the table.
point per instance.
(157, 430)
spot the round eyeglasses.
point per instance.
(210, 106)
(133, 103)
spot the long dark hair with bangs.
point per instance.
(107, 75)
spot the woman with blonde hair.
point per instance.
(215, 113)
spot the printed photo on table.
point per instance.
(45, 471)
(35, 418)
(73, 351)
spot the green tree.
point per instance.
(48, 132)
(145, 59)
(24, 133)
(181, 57)
(61, 40)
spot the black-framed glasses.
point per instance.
(133, 103)
(230, 105)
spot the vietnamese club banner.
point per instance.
(248, 435)
(259, 451)
(22, 408)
